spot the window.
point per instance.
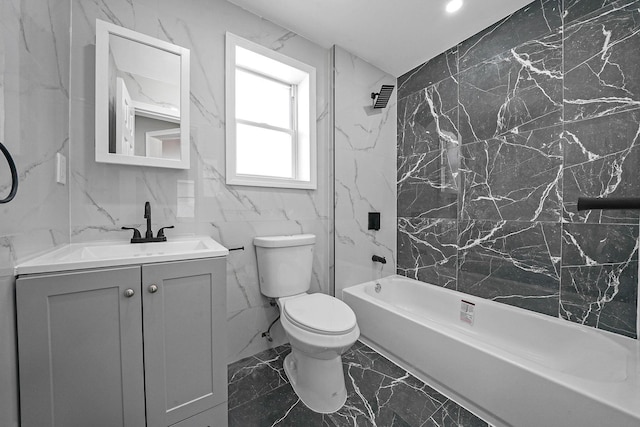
(270, 118)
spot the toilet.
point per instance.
(320, 327)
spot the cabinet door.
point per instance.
(80, 349)
(184, 338)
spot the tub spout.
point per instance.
(380, 259)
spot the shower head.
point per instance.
(381, 98)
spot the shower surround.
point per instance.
(497, 138)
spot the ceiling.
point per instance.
(394, 35)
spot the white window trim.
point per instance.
(305, 117)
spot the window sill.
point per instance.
(271, 182)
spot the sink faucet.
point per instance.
(147, 216)
(148, 235)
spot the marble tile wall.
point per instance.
(34, 117)
(379, 393)
(105, 197)
(497, 138)
(364, 174)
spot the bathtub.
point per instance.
(509, 366)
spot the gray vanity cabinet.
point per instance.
(136, 346)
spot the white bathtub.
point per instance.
(511, 367)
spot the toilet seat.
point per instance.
(320, 313)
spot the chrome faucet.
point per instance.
(148, 235)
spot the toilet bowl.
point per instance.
(320, 327)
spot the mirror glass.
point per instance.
(142, 99)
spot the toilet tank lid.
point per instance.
(284, 241)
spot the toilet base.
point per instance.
(318, 383)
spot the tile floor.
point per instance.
(380, 393)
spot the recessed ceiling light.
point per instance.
(453, 5)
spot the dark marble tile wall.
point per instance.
(497, 138)
(379, 393)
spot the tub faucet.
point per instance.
(380, 259)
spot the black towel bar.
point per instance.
(587, 203)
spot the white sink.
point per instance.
(103, 254)
(143, 249)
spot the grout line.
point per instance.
(564, 148)
(460, 175)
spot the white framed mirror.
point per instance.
(142, 99)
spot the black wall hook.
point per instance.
(14, 175)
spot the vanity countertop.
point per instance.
(78, 256)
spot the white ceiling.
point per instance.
(394, 35)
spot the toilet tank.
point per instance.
(284, 264)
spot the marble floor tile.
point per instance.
(454, 415)
(257, 375)
(379, 393)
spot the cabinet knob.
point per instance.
(153, 289)
(129, 293)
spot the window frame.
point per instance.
(302, 79)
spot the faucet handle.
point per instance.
(161, 232)
(136, 233)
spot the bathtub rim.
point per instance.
(623, 340)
